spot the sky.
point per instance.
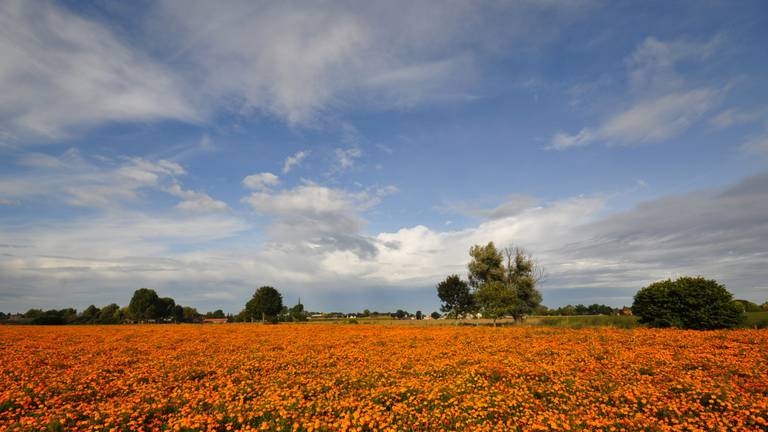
(349, 153)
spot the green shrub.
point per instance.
(688, 302)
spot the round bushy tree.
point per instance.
(688, 302)
(265, 304)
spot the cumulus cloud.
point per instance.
(294, 161)
(61, 72)
(663, 103)
(315, 219)
(260, 181)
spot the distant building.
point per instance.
(214, 320)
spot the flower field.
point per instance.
(368, 377)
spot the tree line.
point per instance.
(502, 283)
(145, 306)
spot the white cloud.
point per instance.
(319, 246)
(656, 120)
(79, 181)
(61, 72)
(294, 161)
(195, 200)
(310, 199)
(261, 181)
(758, 144)
(345, 158)
(733, 117)
(302, 63)
(663, 103)
(653, 65)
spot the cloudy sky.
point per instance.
(349, 153)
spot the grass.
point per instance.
(753, 320)
(584, 321)
(756, 320)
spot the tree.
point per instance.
(455, 295)
(178, 314)
(265, 303)
(190, 314)
(764, 306)
(522, 275)
(401, 314)
(110, 314)
(510, 274)
(297, 313)
(486, 265)
(165, 308)
(435, 315)
(688, 302)
(419, 315)
(218, 313)
(90, 315)
(496, 299)
(143, 305)
(747, 306)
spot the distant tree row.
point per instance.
(501, 283)
(580, 309)
(145, 306)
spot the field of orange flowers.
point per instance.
(368, 377)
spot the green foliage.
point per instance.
(295, 313)
(521, 275)
(144, 305)
(218, 313)
(496, 299)
(455, 295)
(513, 282)
(747, 306)
(90, 315)
(435, 315)
(265, 305)
(50, 317)
(580, 309)
(110, 314)
(190, 314)
(485, 265)
(688, 302)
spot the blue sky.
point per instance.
(350, 153)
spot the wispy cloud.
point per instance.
(663, 103)
(61, 72)
(79, 181)
(305, 64)
(294, 161)
(345, 158)
(648, 121)
(734, 116)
